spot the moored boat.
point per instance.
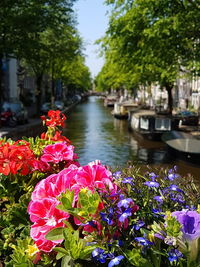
(121, 110)
(151, 125)
(183, 146)
(110, 100)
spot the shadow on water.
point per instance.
(97, 135)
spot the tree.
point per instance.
(76, 75)
(151, 38)
(23, 27)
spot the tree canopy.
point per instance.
(43, 35)
(151, 41)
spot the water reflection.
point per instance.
(97, 135)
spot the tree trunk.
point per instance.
(38, 92)
(169, 88)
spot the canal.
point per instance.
(96, 134)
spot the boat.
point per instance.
(121, 110)
(187, 117)
(110, 100)
(184, 146)
(151, 125)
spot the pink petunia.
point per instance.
(58, 152)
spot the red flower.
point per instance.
(17, 157)
(56, 137)
(55, 118)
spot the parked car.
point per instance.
(59, 105)
(18, 109)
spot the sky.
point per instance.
(92, 24)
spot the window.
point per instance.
(144, 123)
(163, 124)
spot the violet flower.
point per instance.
(143, 241)
(125, 203)
(127, 213)
(99, 255)
(128, 180)
(190, 221)
(115, 261)
(152, 184)
(174, 255)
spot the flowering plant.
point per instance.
(92, 216)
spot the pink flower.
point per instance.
(46, 217)
(58, 152)
(94, 175)
(55, 184)
(41, 166)
(42, 208)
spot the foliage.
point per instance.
(89, 215)
(150, 42)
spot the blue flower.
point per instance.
(157, 212)
(128, 180)
(179, 198)
(125, 214)
(152, 175)
(172, 176)
(107, 218)
(152, 184)
(174, 187)
(174, 255)
(117, 174)
(143, 241)
(125, 203)
(159, 199)
(99, 255)
(115, 261)
(138, 225)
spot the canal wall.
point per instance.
(32, 129)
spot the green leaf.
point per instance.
(55, 234)
(67, 262)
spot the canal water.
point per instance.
(96, 134)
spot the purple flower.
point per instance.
(117, 174)
(174, 187)
(159, 199)
(99, 255)
(157, 212)
(159, 236)
(174, 255)
(125, 203)
(127, 180)
(115, 261)
(107, 218)
(125, 214)
(190, 221)
(172, 176)
(177, 198)
(152, 175)
(152, 184)
(138, 225)
(143, 241)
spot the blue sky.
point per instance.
(92, 24)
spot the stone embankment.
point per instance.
(31, 129)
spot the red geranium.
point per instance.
(17, 157)
(56, 118)
(56, 137)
